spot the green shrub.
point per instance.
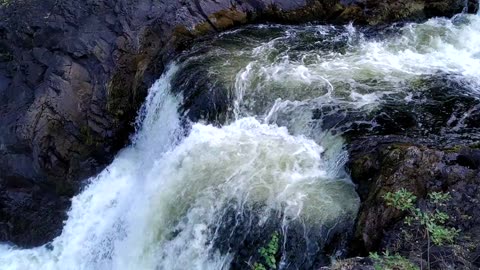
(268, 254)
(402, 199)
(432, 220)
(259, 266)
(439, 197)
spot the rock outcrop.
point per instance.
(74, 73)
(388, 164)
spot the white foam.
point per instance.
(163, 186)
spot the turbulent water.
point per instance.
(198, 196)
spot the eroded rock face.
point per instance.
(388, 164)
(29, 213)
(74, 73)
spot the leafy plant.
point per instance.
(386, 261)
(439, 197)
(259, 266)
(402, 199)
(433, 220)
(441, 234)
(268, 254)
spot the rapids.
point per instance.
(209, 194)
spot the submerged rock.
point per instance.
(301, 244)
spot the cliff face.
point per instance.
(74, 73)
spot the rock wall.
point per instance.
(74, 73)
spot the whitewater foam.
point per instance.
(164, 185)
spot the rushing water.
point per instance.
(198, 196)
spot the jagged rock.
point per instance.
(74, 73)
(386, 164)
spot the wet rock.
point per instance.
(204, 97)
(386, 164)
(439, 108)
(302, 244)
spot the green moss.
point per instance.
(475, 145)
(119, 101)
(458, 148)
(54, 126)
(454, 149)
(221, 20)
(351, 13)
(394, 154)
(228, 18)
(87, 135)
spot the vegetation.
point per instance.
(87, 135)
(258, 266)
(433, 220)
(386, 261)
(430, 219)
(268, 254)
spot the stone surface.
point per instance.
(74, 73)
(386, 164)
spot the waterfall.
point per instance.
(162, 202)
(198, 196)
